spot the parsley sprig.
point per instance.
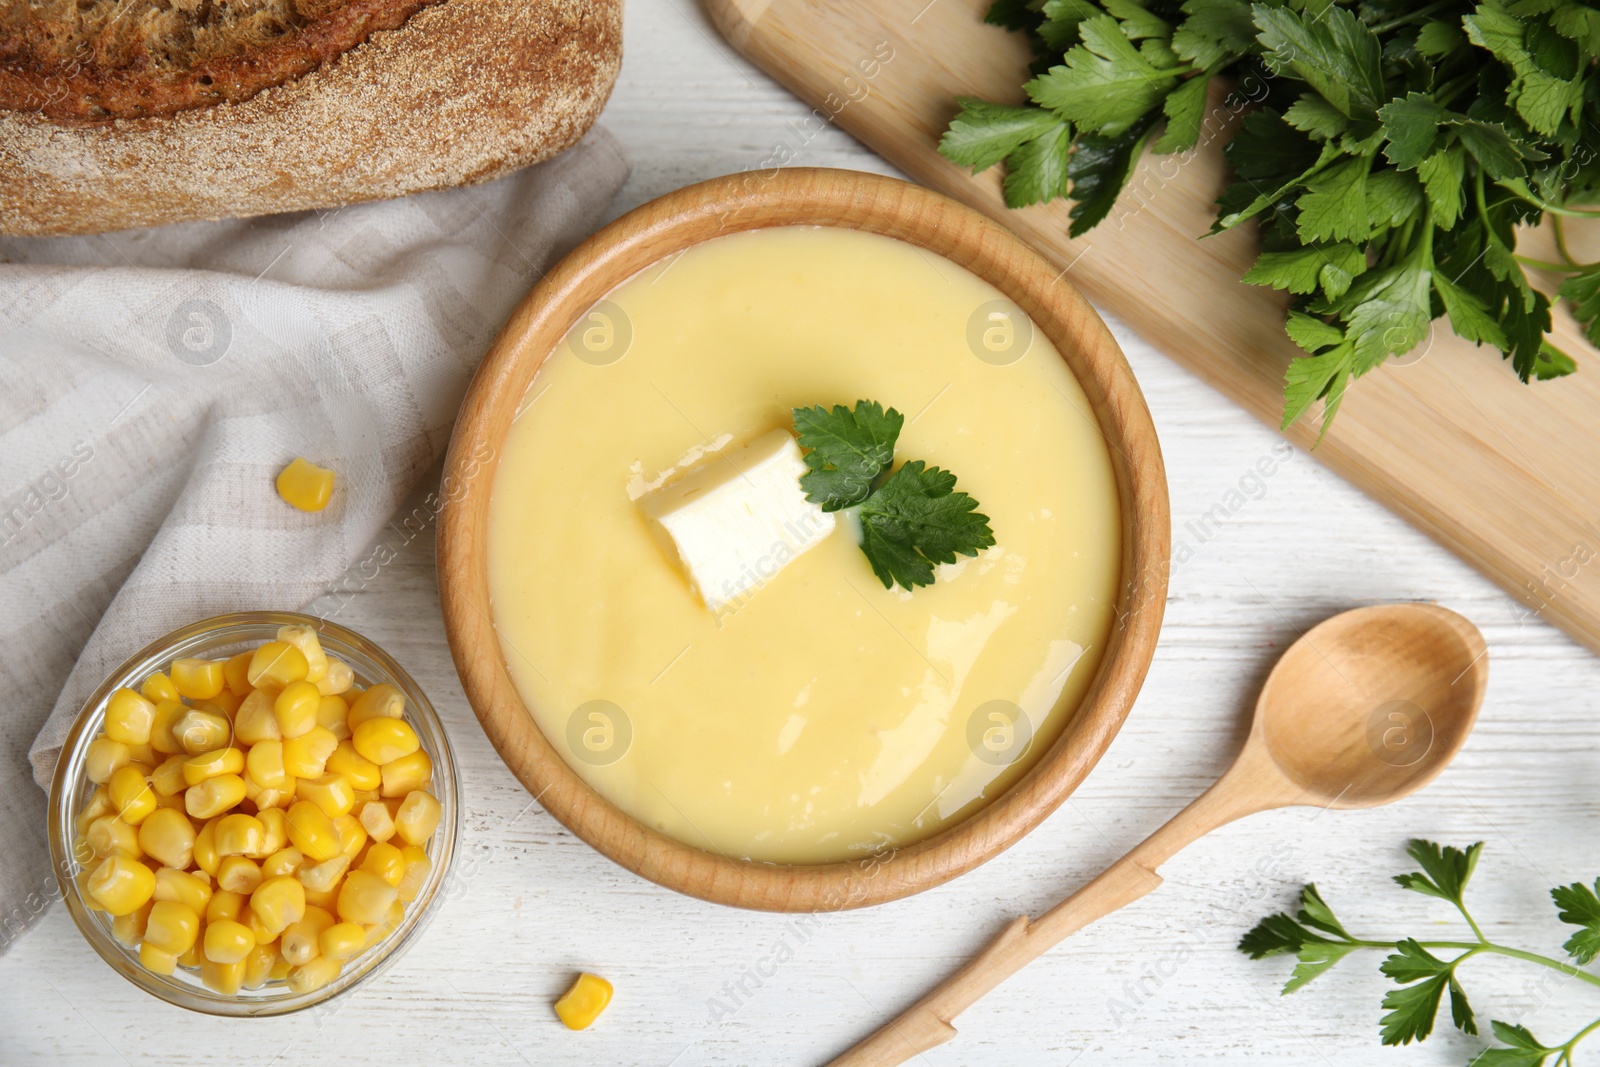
(1318, 941)
(910, 519)
(1393, 148)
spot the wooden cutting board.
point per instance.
(1506, 476)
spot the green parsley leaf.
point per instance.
(1215, 32)
(1313, 115)
(1336, 54)
(1524, 1050)
(983, 134)
(1334, 206)
(1099, 169)
(848, 450)
(917, 518)
(1302, 270)
(1411, 962)
(1105, 85)
(1583, 290)
(1037, 171)
(1442, 174)
(1412, 128)
(1445, 870)
(1411, 1010)
(1185, 108)
(1579, 906)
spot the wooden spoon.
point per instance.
(1363, 710)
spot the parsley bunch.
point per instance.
(910, 519)
(1318, 941)
(1395, 147)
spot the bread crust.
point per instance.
(463, 92)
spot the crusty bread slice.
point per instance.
(464, 91)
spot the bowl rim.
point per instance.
(361, 968)
(755, 200)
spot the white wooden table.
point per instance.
(531, 904)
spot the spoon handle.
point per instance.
(927, 1023)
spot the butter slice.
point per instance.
(737, 519)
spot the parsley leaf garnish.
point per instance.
(910, 520)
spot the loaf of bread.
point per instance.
(122, 113)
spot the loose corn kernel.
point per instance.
(184, 888)
(277, 902)
(276, 664)
(365, 898)
(213, 764)
(82, 879)
(285, 861)
(331, 792)
(312, 831)
(225, 904)
(205, 846)
(238, 874)
(228, 941)
(168, 835)
(175, 801)
(200, 731)
(300, 943)
(342, 940)
(581, 1005)
(128, 717)
(194, 957)
(167, 779)
(417, 818)
(162, 739)
(326, 899)
(305, 639)
(338, 680)
(155, 961)
(224, 978)
(386, 862)
(418, 866)
(236, 672)
(323, 877)
(258, 965)
(383, 740)
(226, 702)
(382, 701)
(198, 679)
(296, 709)
(103, 758)
(305, 485)
(264, 764)
(129, 928)
(362, 772)
(173, 927)
(276, 826)
(333, 715)
(391, 922)
(312, 976)
(121, 884)
(159, 687)
(306, 756)
(352, 836)
(110, 836)
(406, 774)
(98, 805)
(238, 834)
(131, 794)
(375, 819)
(266, 799)
(214, 796)
(255, 721)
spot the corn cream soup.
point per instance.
(815, 715)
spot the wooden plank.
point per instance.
(1506, 476)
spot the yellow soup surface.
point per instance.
(827, 717)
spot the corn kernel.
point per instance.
(168, 835)
(352, 835)
(258, 965)
(277, 902)
(383, 740)
(365, 898)
(225, 904)
(331, 792)
(276, 664)
(216, 795)
(167, 779)
(418, 866)
(255, 721)
(98, 804)
(110, 836)
(391, 922)
(236, 672)
(227, 702)
(266, 799)
(238, 874)
(282, 862)
(183, 888)
(264, 764)
(406, 774)
(305, 485)
(338, 680)
(121, 884)
(312, 831)
(333, 715)
(305, 639)
(162, 739)
(306, 756)
(300, 943)
(175, 801)
(200, 731)
(128, 717)
(382, 701)
(417, 818)
(159, 687)
(376, 820)
(362, 772)
(194, 957)
(205, 846)
(155, 961)
(313, 975)
(103, 758)
(131, 794)
(213, 764)
(224, 978)
(296, 709)
(129, 928)
(324, 877)
(228, 941)
(326, 899)
(238, 834)
(342, 940)
(581, 1005)
(275, 825)
(198, 679)
(173, 927)
(82, 879)
(386, 862)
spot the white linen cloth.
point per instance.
(152, 385)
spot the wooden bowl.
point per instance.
(750, 201)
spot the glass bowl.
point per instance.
(217, 638)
